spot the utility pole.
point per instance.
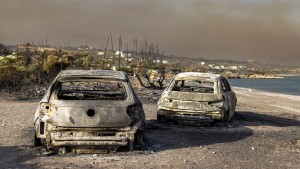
(27, 55)
(46, 41)
(105, 51)
(127, 53)
(17, 52)
(120, 49)
(135, 41)
(112, 46)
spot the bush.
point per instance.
(54, 65)
(10, 77)
(6, 60)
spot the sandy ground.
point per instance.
(265, 133)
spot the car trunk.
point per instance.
(194, 102)
(89, 113)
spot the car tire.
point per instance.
(36, 141)
(161, 118)
(139, 139)
(130, 145)
(226, 116)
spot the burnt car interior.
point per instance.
(90, 89)
(193, 86)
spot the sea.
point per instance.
(288, 85)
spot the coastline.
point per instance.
(288, 85)
(287, 75)
(259, 76)
(277, 102)
(261, 92)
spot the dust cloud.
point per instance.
(264, 30)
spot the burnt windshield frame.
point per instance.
(186, 85)
(91, 89)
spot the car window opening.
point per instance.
(196, 86)
(91, 90)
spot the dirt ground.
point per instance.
(265, 133)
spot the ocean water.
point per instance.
(289, 85)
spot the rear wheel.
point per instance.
(161, 118)
(226, 116)
(139, 139)
(137, 142)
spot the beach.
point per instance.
(264, 133)
(276, 103)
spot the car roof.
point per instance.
(94, 73)
(197, 75)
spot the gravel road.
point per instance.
(265, 133)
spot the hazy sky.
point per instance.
(264, 30)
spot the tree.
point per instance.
(152, 81)
(3, 50)
(27, 55)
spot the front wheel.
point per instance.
(37, 142)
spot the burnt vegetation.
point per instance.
(27, 69)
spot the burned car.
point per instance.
(89, 110)
(194, 97)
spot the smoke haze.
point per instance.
(263, 30)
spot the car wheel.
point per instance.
(139, 139)
(130, 145)
(36, 141)
(161, 118)
(226, 116)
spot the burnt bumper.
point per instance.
(184, 117)
(190, 116)
(89, 141)
(90, 137)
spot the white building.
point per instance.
(120, 53)
(100, 53)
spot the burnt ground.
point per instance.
(265, 133)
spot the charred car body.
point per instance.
(89, 110)
(194, 97)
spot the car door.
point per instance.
(229, 96)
